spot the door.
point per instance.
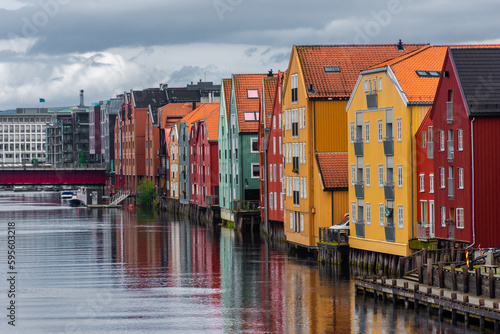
(432, 224)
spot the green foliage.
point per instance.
(81, 157)
(146, 193)
(230, 225)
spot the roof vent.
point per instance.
(270, 74)
(311, 89)
(400, 46)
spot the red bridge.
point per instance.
(22, 174)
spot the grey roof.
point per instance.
(478, 70)
(182, 95)
(115, 106)
(152, 96)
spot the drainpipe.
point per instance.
(411, 167)
(472, 164)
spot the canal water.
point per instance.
(130, 271)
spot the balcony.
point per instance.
(423, 230)
(450, 150)
(430, 150)
(360, 228)
(328, 235)
(371, 101)
(451, 188)
(247, 206)
(389, 191)
(389, 146)
(212, 200)
(359, 189)
(390, 233)
(358, 147)
(162, 171)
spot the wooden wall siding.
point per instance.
(487, 181)
(331, 125)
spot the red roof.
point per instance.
(203, 111)
(269, 84)
(212, 123)
(333, 168)
(350, 59)
(226, 84)
(173, 110)
(243, 83)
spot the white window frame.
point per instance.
(442, 178)
(443, 216)
(460, 178)
(422, 183)
(301, 223)
(381, 212)
(351, 132)
(399, 129)
(353, 212)
(251, 170)
(353, 174)
(368, 214)
(441, 141)
(274, 145)
(252, 140)
(400, 175)
(460, 218)
(303, 117)
(305, 187)
(271, 200)
(380, 175)
(367, 176)
(400, 217)
(431, 183)
(367, 131)
(279, 142)
(380, 131)
(300, 118)
(460, 140)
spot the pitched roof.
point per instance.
(242, 83)
(202, 112)
(350, 59)
(151, 96)
(333, 168)
(173, 110)
(227, 95)
(269, 85)
(418, 88)
(212, 123)
(478, 70)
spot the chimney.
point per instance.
(194, 105)
(81, 99)
(400, 46)
(270, 74)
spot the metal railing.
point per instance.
(327, 234)
(41, 165)
(244, 205)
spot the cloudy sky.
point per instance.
(53, 48)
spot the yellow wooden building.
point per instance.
(317, 87)
(385, 110)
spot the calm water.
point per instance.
(122, 271)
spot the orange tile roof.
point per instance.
(269, 84)
(351, 59)
(212, 122)
(421, 89)
(203, 111)
(227, 95)
(333, 168)
(173, 110)
(243, 82)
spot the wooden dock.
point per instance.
(444, 301)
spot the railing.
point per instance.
(388, 146)
(430, 150)
(212, 200)
(327, 234)
(243, 205)
(359, 189)
(450, 150)
(41, 165)
(423, 230)
(451, 188)
(360, 228)
(119, 197)
(389, 191)
(358, 147)
(449, 112)
(410, 264)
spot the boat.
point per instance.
(21, 188)
(66, 196)
(75, 202)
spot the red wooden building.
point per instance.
(426, 218)
(466, 120)
(204, 149)
(270, 155)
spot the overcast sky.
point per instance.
(53, 48)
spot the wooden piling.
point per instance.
(478, 282)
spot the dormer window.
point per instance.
(331, 69)
(252, 94)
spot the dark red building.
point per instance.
(466, 133)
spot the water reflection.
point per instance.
(133, 271)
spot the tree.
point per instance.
(146, 193)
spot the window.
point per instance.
(460, 140)
(400, 216)
(288, 119)
(300, 154)
(281, 201)
(368, 214)
(279, 120)
(296, 191)
(250, 116)
(400, 176)
(367, 132)
(442, 178)
(288, 186)
(379, 84)
(305, 187)
(449, 108)
(423, 212)
(422, 183)
(353, 175)
(460, 217)
(451, 183)
(301, 223)
(303, 117)
(304, 153)
(381, 214)
(431, 183)
(300, 118)
(351, 131)
(353, 212)
(274, 145)
(380, 175)
(443, 216)
(441, 140)
(295, 122)
(430, 143)
(399, 129)
(279, 142)
(380, 134)
(271, 200)
(295, 157)
(424, 139)
(460, 178)
(295, 88)
(274, 121)
(450, 145)
(255, 171)
(367, 175)
(254, 145)
(252, 94)
(291, 222)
